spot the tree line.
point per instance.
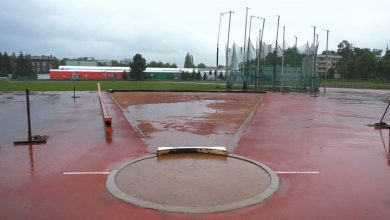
(189, 62)
(20, 67)
(186, 75)
(355, 62)
(362, 63)
(161, 64)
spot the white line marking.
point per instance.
(86, 173)
(298, 172)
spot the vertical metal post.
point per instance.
(243, 53)
(74, 90)
(258, 61)
(384, 113)
(28, 114)
(282, 78)
(275, 51)
(314, 65)
(326, 58)
(228, 83)
(219, 30)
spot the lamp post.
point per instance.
(326, 58)
(228, 83)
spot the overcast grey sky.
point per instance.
(167, 30)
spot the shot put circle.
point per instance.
(192, 182)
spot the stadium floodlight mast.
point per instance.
(326, 57)
(219, 30)
(258, 59)
(249, 39)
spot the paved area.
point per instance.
(331, 166)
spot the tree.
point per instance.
(345, 66)
(345, 50)
(5, 65)
(2, 69)
(137, 66)
(56, 63)
(364, 63)
(115, 63)
(330, 52)
(204, 77)
(377, 52)
(201, 65)
(24, 67)
(124, 75)
(384, 66)
(220, 76)
(189, 61)
(272, 59)
(198, 75)
(193, 75)
(292, 57)
(161, 64)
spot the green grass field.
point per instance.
(116, 85)
(360, 84)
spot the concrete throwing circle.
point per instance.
(192, 183)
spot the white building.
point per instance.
(325, 62)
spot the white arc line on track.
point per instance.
(106, 173)
(298, 172)
(86, 173)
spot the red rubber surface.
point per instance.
(290, 132)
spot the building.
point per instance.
(125, 61)
(88, 73)
(42, 64)
(113, 73)
(82, 61)
(325, 62)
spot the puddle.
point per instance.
(178, 124)
(186, 119)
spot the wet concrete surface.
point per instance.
(289, 132)
(192, 180)
(187, 119)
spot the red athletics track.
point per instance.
(289, 132)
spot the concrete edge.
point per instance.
(116, 192)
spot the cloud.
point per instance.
(167, 30)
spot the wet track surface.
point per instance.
(289, 132)
(187, 119)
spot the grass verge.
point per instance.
(116, 85)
